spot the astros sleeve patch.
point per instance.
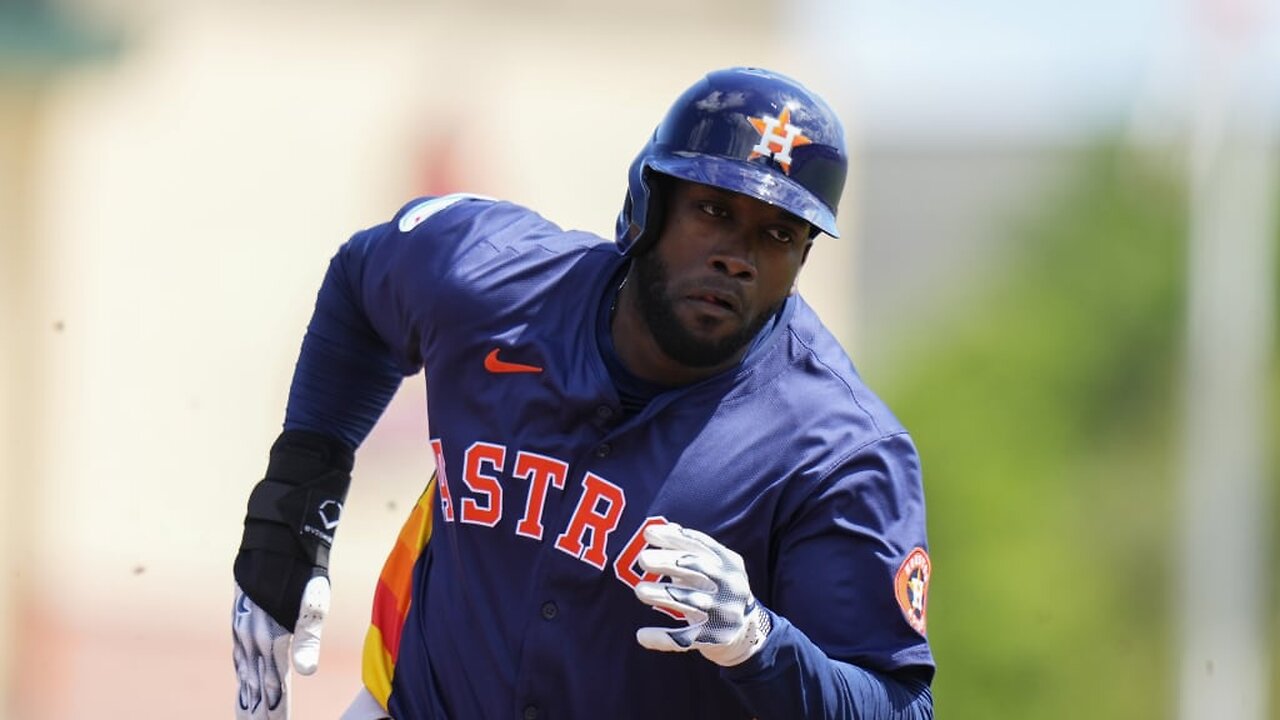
(911, 588)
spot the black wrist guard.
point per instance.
(293, 514)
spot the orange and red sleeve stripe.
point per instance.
(391, 598)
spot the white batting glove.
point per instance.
(263, 648)
(708, 585)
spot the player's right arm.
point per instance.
(356, 351)
(373, 315)
(345, 376)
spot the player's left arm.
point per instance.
(837, 644)
(829, 688)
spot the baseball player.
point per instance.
(661, 488)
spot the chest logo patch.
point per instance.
(911, 588)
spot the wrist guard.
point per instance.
(293, 514)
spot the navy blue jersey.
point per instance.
(509, 593)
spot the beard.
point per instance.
(659, 313)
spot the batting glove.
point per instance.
(263, 648)
(708, 585)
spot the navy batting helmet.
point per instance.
(745, 130)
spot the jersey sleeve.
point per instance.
(849, 589)
(843, 556)
(793, 678)
(375, 302)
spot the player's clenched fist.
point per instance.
(262, 649)
(708, 585)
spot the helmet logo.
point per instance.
(777, 138)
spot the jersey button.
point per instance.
(603, 450)
(549, 611)
(531, 712)
(604, 412)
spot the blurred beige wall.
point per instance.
(21, 406)
(187, 198)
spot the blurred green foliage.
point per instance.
(1046, 412)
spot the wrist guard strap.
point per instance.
(292, 516)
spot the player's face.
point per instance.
(721, 268)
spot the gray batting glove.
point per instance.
(263, 648)
(708, 585)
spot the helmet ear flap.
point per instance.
(655, 213)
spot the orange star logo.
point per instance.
(777, 138)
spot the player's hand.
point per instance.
(708, 585)
(263, 648)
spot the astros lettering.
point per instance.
(584, 537)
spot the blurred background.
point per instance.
(1059, 268)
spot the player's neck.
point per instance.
(639, 351)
